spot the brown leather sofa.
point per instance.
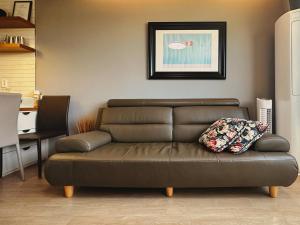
(154, 144)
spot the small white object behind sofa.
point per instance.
(264, 112)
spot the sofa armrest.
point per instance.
(271, 143)
(84, 142)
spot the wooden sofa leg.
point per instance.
(169, 192)
(273, 190)
(69, 191)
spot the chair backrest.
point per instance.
(9, 110)
(53, 114)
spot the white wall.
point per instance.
(95, 50)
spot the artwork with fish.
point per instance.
(187, 49)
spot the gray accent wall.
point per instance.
(95, 50)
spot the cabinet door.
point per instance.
(296, 57)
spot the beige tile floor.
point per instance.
(34, 202)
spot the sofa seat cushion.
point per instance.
(112, 165)
(191, 165)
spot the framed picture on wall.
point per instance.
(22, 9)
(187, 50)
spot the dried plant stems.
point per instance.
(85, 125)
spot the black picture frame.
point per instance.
(215, 75)
(29, 9)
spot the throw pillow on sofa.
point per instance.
(222, 133)
(253, 130)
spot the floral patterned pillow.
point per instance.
(222, 133)
(252, 132)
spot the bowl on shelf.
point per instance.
(2, 13)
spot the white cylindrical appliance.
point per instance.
(264, 112)
(287, 79)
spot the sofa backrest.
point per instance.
(164, 120)
(173, 102)
(191, 121)
(138, 124)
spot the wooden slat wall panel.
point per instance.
(18, 68)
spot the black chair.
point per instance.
(52, 121)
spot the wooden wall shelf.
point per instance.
(12, 22)
(28, 109)
(15, 48)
